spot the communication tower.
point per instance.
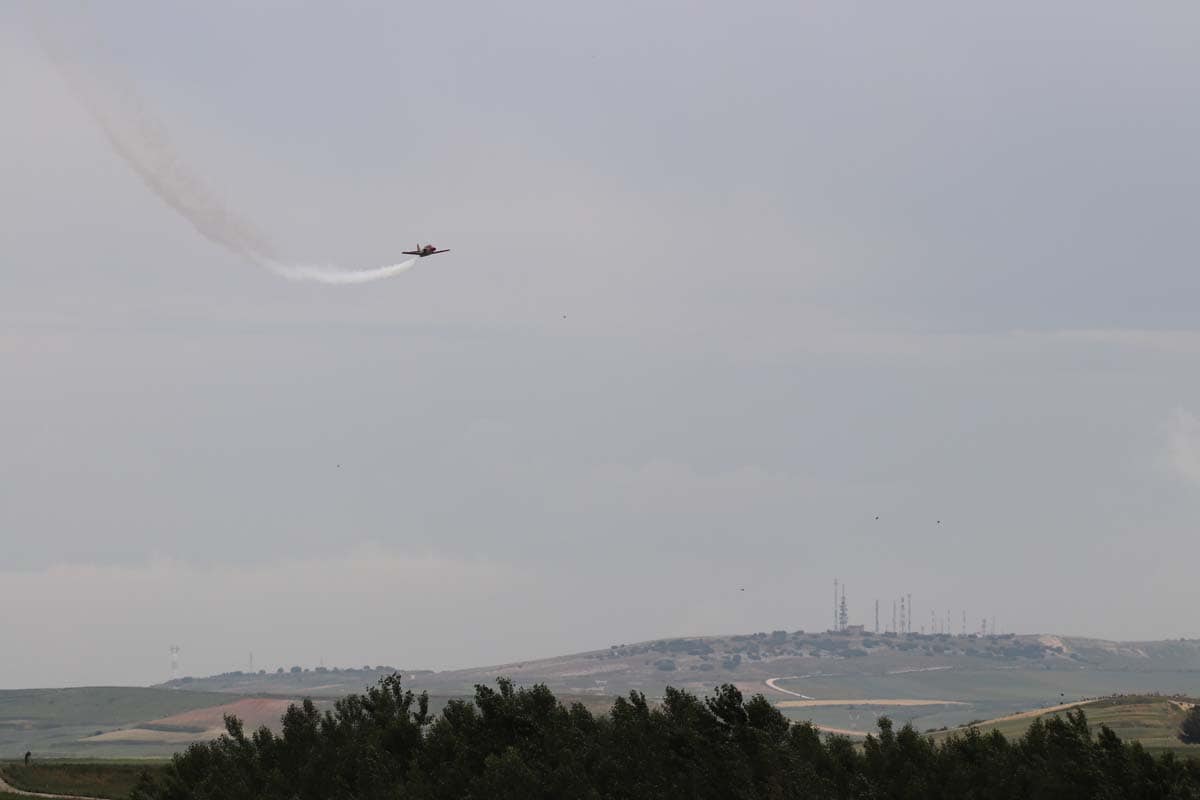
(843, 615)
(835, 604)
(174, 662)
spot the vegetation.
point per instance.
(59, 722)
(1151, 719)
(524, 743)
(104, 779)
(1189, 729)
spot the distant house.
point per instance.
(854, 630)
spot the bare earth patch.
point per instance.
(147, 736)
(252, 711)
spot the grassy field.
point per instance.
(988, 693)
(112, 705)
(1150, 719)
(52, 722)
(95, 779)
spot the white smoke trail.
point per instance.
(307, 272)
(141, 141)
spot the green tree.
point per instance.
(1189, 730)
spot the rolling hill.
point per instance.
(842, 681)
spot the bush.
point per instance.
(514, 743)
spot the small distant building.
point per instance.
(855, 630)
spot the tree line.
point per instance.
(510, 742)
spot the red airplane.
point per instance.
(427, 250)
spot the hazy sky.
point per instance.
(728, 281)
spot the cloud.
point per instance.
(670, 486)
(1183, 444)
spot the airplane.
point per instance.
(427, 250)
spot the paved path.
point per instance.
(1033, 712)
(771, 685)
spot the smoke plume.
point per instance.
(142, 142)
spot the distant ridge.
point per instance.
(743, 659)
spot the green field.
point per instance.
(50, 722)
(988, 693)
(112, 779)
(1150, 719)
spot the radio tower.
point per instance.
(835, 604)
(903, 626)
(894, 628)
(843, 616)
(910, 613)
(174, 662)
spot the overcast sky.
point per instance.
(728, 281)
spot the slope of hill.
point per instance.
(1071, 665)
(53, 721)
(932, 681)
(1153, 720)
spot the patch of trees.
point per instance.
(692, 647)
(1031, 650)
(1189, 730)
(523, 743)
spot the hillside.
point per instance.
(994, 675)
(55, 721)
(1152, 720)
(839, 681)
